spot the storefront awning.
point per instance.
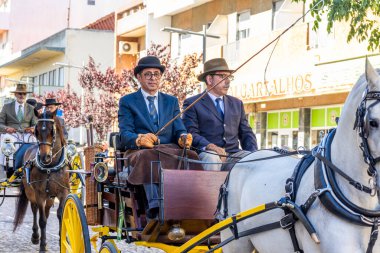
(27, 58)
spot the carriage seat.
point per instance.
(115, 142)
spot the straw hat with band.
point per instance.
(212, 66)
(148, 62)
(21, 88)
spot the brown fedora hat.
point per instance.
(21, 88)
(212, 66)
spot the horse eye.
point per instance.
(373, 123)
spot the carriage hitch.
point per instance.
(287, 204)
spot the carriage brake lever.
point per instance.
(297, 211)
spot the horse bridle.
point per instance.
(51, 144)
(361, 124)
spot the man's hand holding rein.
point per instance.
(185, 140)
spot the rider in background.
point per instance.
(18, 116)
(142, 113)
(217, 121)
(51, 105)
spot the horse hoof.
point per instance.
(43, 249)
(35, 240)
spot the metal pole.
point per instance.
(204, 43)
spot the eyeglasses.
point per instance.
(227, 76)
(149, 75)
(20, 94)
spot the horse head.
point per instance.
(46, 134)
(357, 139)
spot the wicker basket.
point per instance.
(92, 212)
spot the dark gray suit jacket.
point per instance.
(8, 117)
(206, 125)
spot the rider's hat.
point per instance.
(149, 62)
(21, 88)
(32, 102)
(212, 66)
(51, 101)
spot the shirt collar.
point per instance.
(18, 104)
(146, 94)
(213, 97)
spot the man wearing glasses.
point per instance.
(143, 113)
(18, 116)
(217, 121)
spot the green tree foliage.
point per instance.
(362, 16)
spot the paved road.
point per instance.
(19, 241)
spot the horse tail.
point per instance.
(21, 206)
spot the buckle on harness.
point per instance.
(287, 221)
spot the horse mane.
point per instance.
(59, 130)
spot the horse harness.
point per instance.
(326, 189)
(46, 168)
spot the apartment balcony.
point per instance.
(4, 21)
(132, 24)
(170, 7)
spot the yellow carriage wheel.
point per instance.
(108, 247)
(74, 230)
(76, 186)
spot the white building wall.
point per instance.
(34, 20)
(153, 30)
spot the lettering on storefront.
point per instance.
(282, 87)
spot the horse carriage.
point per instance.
(327, 201)
(188, 197)
(34, 177)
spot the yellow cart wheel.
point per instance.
(74, 230)
(76, 186)
(108, 247)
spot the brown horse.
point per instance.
(45, 176)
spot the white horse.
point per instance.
(259, 182)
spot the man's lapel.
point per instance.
(210, 106)
(12, 110)
(140, 103)
(162, 116)
(227, 107)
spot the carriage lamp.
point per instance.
(8, 148)
(71, 150)
(176, 233)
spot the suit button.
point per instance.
(224, 138)
(224, 125)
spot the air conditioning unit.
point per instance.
(126, 47)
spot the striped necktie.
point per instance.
(153, 111)
(20, 113)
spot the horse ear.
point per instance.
(372, 76)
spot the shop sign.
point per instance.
(292, 86)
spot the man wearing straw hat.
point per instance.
(18, 116)
(217, 121)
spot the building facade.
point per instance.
(48, 50)
(295, 88)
